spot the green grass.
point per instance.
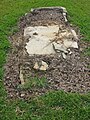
(55, 105)
(87, 52)
(52, 106)
(35, 82)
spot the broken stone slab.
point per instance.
(59, 47)
(39, 43)
(46, 31)
(50, 39)
(38, 46)
(41, 37)
(74, 34)
(72, 44)
(41, 66)
(44, 66)
(66, 44)
(64, 15)
(64, 55)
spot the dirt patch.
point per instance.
(71, 74)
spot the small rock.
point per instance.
(68, 43)
(74, 45)
(26, 14)
(44, 66)
(74, 34)
(64, 15)
(32, 9)
(36, 66)
(70, 52)
(59, 47)
(81, 49)
(22, 95)
(64, 56)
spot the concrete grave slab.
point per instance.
(41, 39)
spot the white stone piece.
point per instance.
(60, 47)
(40, 43)
(74, 34)
(65, 18)
(44, 66)
(64, 9)
(22, 94)
(36, 66)
(41, 37)
(67, 43)
(32, 9)
(64, 56)
(72, 44)
(70, 52)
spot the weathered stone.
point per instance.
(59, 47)
(50, 39)
(36, 66)
(22, 94)
(64, 56)
(44, 66)
(21, 77)
(74, 34)
(72, 44)
(40, 43)
(64, 15)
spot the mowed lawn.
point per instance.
(55, 105)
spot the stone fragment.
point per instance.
(40, 43)
(74, 34)
(22, 94)
(44, 66)
(64, 9)
(59, 47)
(36, 66)
(64, 15)
(70, 52)
(64, 56)
(21, 77)
(74, 45)
(68, 43)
